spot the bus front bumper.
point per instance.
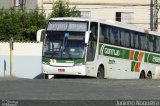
(64, 70)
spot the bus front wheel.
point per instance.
(100, 73)
(45, 76)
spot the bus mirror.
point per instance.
(40, 35)
(87, 35)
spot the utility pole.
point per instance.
(22, 4)
(151, 15)
(154, 9)
(11, 57)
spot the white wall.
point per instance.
(26, 59)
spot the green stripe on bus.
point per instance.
(80, 60)
(111, 51)
(114, 52)
(45, 59)
(133, 66)
(155, 59)
(146, 57)
(70, 61)
(136, 55)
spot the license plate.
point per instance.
(61, 70)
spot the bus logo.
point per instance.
(105, 50)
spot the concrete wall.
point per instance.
(30, 4)
(6, 4)
(109, 1)
(26, 60)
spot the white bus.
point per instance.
(99, 48)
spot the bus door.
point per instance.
(91, 50)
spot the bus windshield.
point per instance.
(64, 45)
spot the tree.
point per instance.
(8, 24)
(61, 9)
(32, 22)
(21, 25)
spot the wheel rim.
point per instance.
(149, 76)
(99, 75)
(142, 76)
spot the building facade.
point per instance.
(135, 12)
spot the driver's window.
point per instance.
(92, 41)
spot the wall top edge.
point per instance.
(104, 3)
(19, 42)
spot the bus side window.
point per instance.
(106, 34)
(136, 40)
(122, 38)
(118, 37)
(101, 33)
(144, 42)
(132, 39)
(114, 36)
(151, 40)
(94, 29)
(158, 44)
(127, 39)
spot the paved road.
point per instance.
(79, 89)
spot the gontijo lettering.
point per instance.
(111, 52)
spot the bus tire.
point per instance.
(142, 75)
(45, 76)
(100, 73)
(149, 75)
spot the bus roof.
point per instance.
(109, 22)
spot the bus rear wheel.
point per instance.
(100, 73)
(149, 75)
(142, 75)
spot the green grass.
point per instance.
(8, 76)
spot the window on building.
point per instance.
(125, 17)
(118, 16)
(86, 14)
